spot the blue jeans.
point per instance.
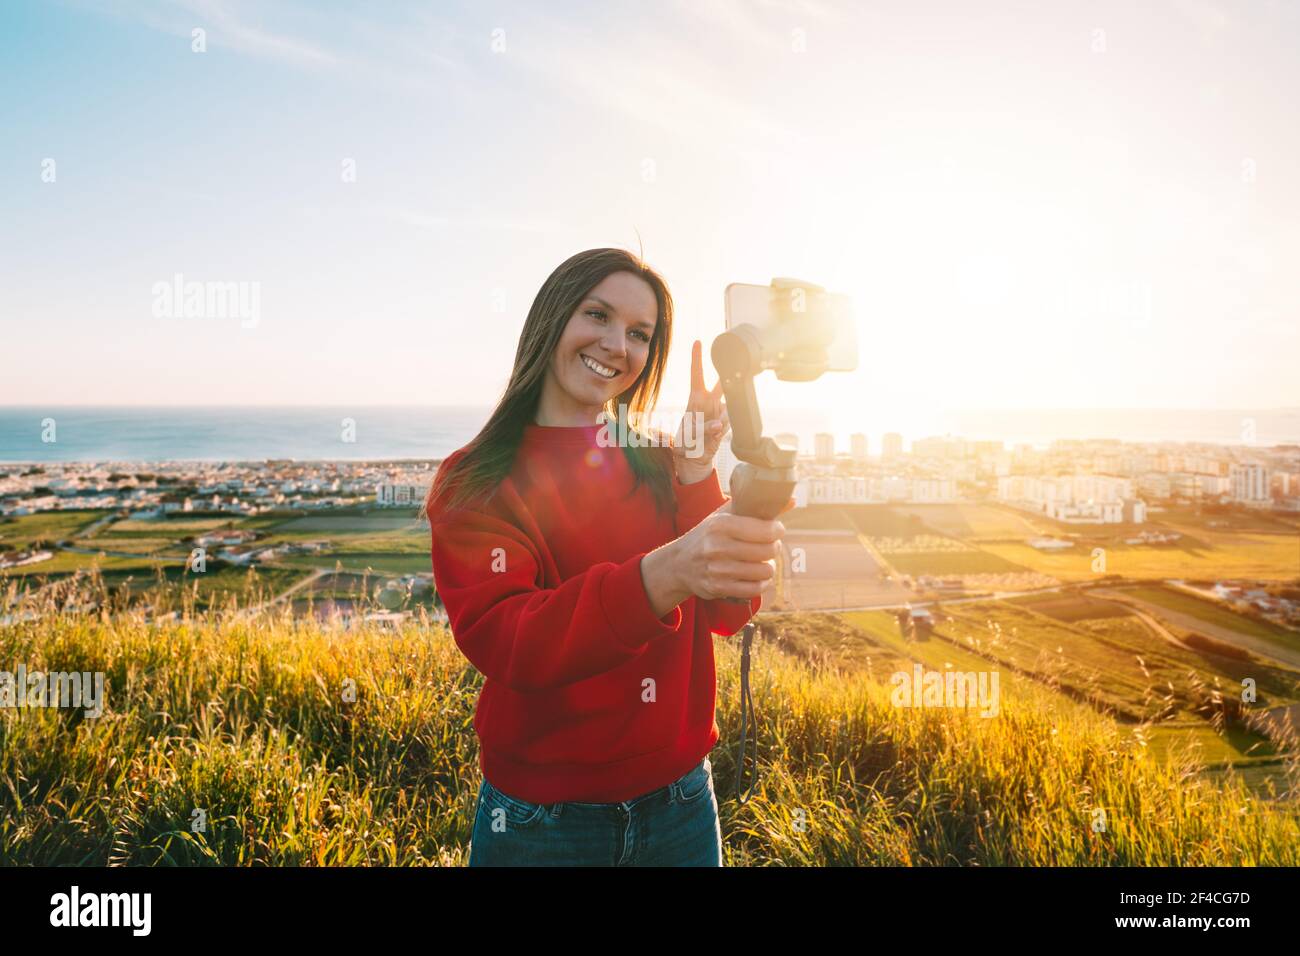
(676, 825)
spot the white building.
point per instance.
(1086, 512)
(933, 490)
(1212, 486)
(863, 491)
(1249, 483)
(1077, 499)
(399, 494)
(858, 446)
(1135, 510)
(824, 446)
(891, 446)
(836, 491)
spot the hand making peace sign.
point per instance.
(703, 426)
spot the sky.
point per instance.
(1032, 206)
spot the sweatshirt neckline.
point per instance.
(567, 435)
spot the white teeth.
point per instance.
(598, 368)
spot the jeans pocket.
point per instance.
(515, 812)
(695, 784)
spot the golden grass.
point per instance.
(246, 718)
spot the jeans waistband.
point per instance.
(633, 801)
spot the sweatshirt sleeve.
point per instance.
(694, 503)
(526, 637)
(697, 500)
(726, 618)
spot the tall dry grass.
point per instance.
(244, 717)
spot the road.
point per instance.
(1137, 610)
(993, 596)
(1256, 645)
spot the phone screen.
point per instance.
(795, 318)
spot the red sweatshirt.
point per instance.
(587, 696)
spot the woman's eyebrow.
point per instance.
(595, 298)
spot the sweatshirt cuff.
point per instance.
(627, 607)
(728, 618)
(696, 500)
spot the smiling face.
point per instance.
(604, 348)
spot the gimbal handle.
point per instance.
(764, 479)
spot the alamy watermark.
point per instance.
(75, 908)
(22, 689)
(179, 299)
(635, 431)
(951, 688)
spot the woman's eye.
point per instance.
(600, 314)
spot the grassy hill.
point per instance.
(246, 719)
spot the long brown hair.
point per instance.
(488, 458)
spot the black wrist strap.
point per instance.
(746, 710)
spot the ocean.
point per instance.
(136, 433)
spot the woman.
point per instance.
(585, 582)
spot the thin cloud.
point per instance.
(257, 42)
(755, 27)
(422, 220)
(679, 92)
(226, 27)
(421, 55)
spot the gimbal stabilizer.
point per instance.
(795, 340)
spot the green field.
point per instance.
(173, 528)
(1069, 607)
(941, 563)
(22, 531)
(350, 524)
(393, 542)
(140, 578)
(67, 562)
(1108, 663)
(974, 522)
(1212, 613)
(882, 649)
(219, 584)
(1213, 544)
(1215, 556)
(1113, 661)
(135, 545)
(1173, 664)
(1171, 741)
(881, 521)
(414, 563)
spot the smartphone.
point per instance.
(800, 325)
